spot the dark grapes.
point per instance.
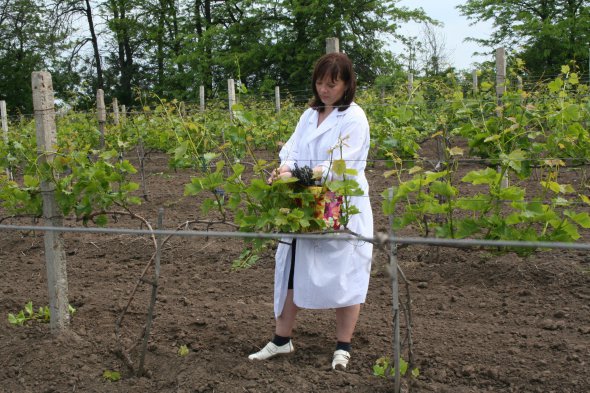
(304, 175)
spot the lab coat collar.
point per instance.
(330, 122)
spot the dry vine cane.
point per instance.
(120, 351)
(381, 241)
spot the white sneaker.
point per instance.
(271, 350)
(340, 360)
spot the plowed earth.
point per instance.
(483, 320)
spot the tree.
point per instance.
(29, 43)
(434, 52)
(123, 21)
(544, 33)
(65, 12)
(284, 38)
(171, 47)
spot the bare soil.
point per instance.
(483, 320)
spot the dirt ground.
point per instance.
(483, 321)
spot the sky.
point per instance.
(456, 28)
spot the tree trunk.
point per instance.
(94, 39)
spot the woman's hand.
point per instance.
(318, 172)
(283, 172)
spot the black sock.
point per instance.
(344, 346)
(280, 340)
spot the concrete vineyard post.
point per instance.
(332, 45)
(277, 99)
(101, 114)
(475, 82)
(231, 94)
(116, 111)
(500, 74)
(202, 98)
(4, 117)
(500, 90)
(55, 258)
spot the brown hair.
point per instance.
(337, 66)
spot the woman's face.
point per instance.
(330, 91)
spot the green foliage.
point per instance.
(494, 212)
(86, 181)
(530, 136)
(175, 46)
(29, 40)
(384, 368)
(30, 314)
(247, 258)
(544, 34)
(111, 376)
(183, 351)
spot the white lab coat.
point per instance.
(328, 274)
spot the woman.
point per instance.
(318, 274)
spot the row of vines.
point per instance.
(505, 142)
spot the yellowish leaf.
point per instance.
(338, 167)
(554, 162)
(392, 172)
(415, 169)
(565, 69)
(455, 151)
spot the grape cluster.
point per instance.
(304, 175)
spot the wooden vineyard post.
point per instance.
(332, 45)
(123, 112)
(500, 90)
(277, 99)
(101, 114)
(116, 111)
(202, 98)
(4, 119)
(55, 257)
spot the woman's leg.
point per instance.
(346, 318)
(286, 321)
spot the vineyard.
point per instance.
(446, 162)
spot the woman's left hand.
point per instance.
(318, 172)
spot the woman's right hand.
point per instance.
(283, 172)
